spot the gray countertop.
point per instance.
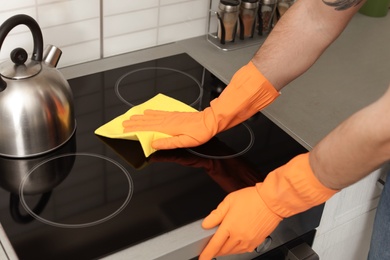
(352, 73)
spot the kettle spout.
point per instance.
(52, 55)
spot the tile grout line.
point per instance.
(101, 30)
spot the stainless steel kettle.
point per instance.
(36, 102)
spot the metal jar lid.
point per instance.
(249, 4)
(269, 2)
(229, 6)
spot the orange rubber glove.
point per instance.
(248, 92)
(246, 217)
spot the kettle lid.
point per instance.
(18, 69)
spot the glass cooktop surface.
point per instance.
(94, 196)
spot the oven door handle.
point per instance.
(298, 251)
(302, 252)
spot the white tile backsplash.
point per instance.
(114, 7)
(14, 5)
(182, 12)
(130, 22)
(40, 2)
(31, 11)
(169, 2)
(83, 31)
(63, 12)
(79, 53)
(130, 42)
(87, 30)
(180, 31)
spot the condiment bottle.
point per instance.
(375, 8)
(247, 17)
(227, 17)
(266, 13)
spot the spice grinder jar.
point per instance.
(266, 14)
(247, 18)
(227, 20)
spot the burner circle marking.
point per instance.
(162, 68)
(249, 146)
(82, 225)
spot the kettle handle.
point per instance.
(12, 22)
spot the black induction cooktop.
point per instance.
(94, 196)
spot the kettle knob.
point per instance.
(19, 56)
(12, 22)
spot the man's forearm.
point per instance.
(355, 148)
(299, 38)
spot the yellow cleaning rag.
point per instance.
(114, 128)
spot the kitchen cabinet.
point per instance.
(346, 225)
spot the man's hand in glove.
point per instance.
(247, 216)
(244, 222)
(188, 129)
(248, 92)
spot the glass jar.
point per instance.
(227, 17)
(266, 15)
(247, 17)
